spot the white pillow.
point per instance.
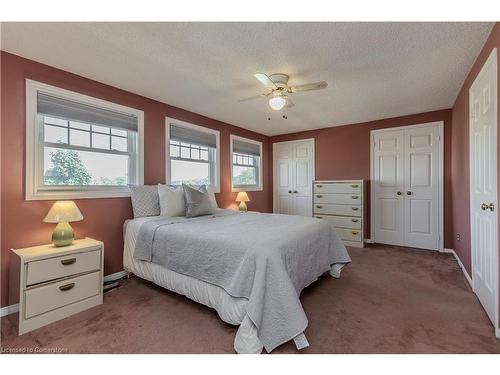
(211, 194)
(171, 200)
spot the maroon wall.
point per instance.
(460, 152)
(343, 152)
(21, 220)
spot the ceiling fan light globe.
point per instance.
(277, 102)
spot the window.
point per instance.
(78, 146)
(246, 170)
(192, 154)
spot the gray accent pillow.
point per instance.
(198, 201)
(145, 200)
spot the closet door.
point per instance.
(293, 175)
(283, 178)
(388, 185)
(421, 174)
(303, 177)
(405, 186)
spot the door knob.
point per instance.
(399, 193)
(409, 193)
(486, 206)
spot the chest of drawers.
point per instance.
(341, 204)
(51, 283)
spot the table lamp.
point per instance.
(63, 212)
(242, 197)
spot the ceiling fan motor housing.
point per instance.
(279, 79)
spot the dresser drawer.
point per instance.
(337, 209)
(54, 268)
(349, 234)
(52, 296)
(337, 187)
(352, 199)
(342, 221)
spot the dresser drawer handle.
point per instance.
(354, 232)
(318, 217)
(354, 196)
(319, 186)
(355, 186)
(354, 220)
(319, 206)
(319, 196)
(67, 262)
(66, 287)
(355, 208)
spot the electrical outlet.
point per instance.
(458, 237)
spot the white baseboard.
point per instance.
(4, 311)
(497, 333)
(368, 240)
(11, 309)
(452, 252)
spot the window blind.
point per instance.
(242, 147)
(189, 135)
(58, 107)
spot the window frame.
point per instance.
(34, 153)
(216, 170)
(238, 188)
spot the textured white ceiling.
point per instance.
(374, 70)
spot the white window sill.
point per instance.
(236, 189)
(78, 194)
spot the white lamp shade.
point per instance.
(63, 212)
(242, 197)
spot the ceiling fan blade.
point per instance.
(289, 103)
(265, 80)
(309, 86)
(252, 97)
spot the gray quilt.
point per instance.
(266, 258)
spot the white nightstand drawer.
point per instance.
(49, 297)
(349, 234)
(342, 221)
(57, 267)
(336, 209)
(337, 187)
(337, 198)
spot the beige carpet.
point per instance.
(388, 300)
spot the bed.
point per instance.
(249, 267)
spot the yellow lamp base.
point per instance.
(243, 207)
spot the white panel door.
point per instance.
(421, 177)
(388, 185)
(293, 176)
(284, 179)
(483, 185)
(303, 177)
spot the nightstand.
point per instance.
(51, 283)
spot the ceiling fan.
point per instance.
(279, 94)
